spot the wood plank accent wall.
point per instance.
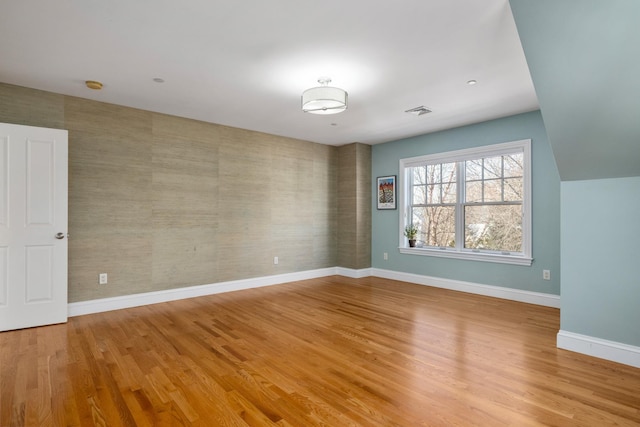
(161, 202)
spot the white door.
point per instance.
(33, 226)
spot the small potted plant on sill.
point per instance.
(410, 231)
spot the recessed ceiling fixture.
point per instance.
(472, 82)
(92, 84)
(418, 111)
(324, 99)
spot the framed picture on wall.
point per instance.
(387, 195)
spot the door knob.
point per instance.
(60, 236)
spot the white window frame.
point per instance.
(459, 252)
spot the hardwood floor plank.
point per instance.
(325, 352)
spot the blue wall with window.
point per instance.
(545, 206)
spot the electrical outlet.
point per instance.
(546, 275)
(275, 260)
(102, 278)
(385, 256)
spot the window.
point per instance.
(471, 204)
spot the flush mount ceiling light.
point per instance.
(324, 99)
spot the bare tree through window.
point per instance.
(491, 202)
(434, 203)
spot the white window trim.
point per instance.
(520, 258)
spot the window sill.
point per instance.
(472, 256)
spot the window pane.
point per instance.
(448, 172)
(493, 190)
(473, 169)
(449, 192)
(492, 167)
(513, 165)
(433, 174)
(474, 192)
(419, 195)
(436, 225)
(513, 190)
(418, 175)
(495, 227)
(433, 195)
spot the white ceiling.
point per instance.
(246, 63)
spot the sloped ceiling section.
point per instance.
(584, 59)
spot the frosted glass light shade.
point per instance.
(324, 100)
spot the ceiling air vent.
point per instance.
(418, 111)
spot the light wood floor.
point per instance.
(325, 352)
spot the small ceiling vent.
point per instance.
(418, 111)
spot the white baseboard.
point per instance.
(354, 274)
(135, 300)
(538, 298)
(596, 347)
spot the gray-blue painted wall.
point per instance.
(545, 205)
(600, 259)
(584, 60)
